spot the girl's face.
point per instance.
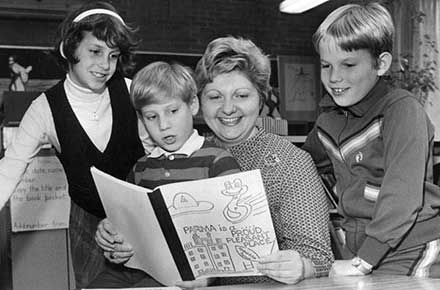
(97, 63)
(230, 106)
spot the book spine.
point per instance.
(171, 236)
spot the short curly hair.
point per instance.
(227, 54)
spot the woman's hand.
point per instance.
(286, 266)
(195, 283)
(344, 268)
(116, 249)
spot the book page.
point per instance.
(224, 223)
(129, 210)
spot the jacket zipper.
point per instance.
(342, 156)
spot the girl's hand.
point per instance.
(106, 237)
(118, 257)
(116, 249)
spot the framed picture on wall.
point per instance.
(299, 85)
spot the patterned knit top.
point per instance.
(296, 198)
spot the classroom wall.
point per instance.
(170, 30)
(181, 26)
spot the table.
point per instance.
(372, 282)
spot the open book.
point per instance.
(187, 230)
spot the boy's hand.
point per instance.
(344, 268)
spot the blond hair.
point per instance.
(160, 79)
(355, 26)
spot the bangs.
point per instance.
(359, 35)
(159, 81)
(229, 64)
(354, 27)
(164, 89)
(113, 33)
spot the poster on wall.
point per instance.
(299, 88)
(41, 200)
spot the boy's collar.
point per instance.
(194, 143)
(376, 93)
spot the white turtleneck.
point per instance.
(93, 112)
(37, 128)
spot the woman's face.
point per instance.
(230, 106)
(97, 63)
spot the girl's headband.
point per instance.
(87, 13)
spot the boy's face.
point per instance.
(170, 121)
(347, 76)
(97, 63)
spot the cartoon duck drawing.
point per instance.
(237, 209)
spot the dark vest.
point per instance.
(78, 153)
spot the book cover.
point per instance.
(187, 230)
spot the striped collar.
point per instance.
(378, 92)
(194, 143)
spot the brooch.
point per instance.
(271, 159)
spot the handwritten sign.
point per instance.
(41, 200)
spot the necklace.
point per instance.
(95, 116)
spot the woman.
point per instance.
(233, 80)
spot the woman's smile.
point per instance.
(230, 121)
(230, 106)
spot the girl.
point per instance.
(89, 120)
